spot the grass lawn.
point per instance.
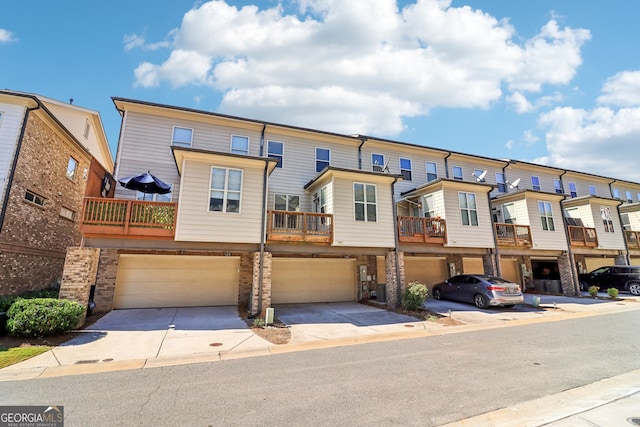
(11, 356)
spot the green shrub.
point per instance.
(6, 301)
(414, 295)
(593, 290)
(39, 317)
(613, 292)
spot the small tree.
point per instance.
(593, 290)
(613, 292)
(414, 295)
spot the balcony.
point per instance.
(513, 235)
(303, 227)
(415, 229)
(117, 218)
(582, 236)
(633, 239)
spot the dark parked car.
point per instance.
(621, 277)
(480, 290)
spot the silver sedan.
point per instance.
(481, 290)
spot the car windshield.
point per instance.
(600, 270)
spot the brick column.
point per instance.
(489, 264)
(569, 285)
(621, 259)
(80, 268)
(266, 283)
(393, 299)
(106, 280)
(245, 286)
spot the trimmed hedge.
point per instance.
(7, 300)
(39, 317)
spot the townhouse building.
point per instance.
(263, 213)
(52, 155)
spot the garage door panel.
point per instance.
(147, 281)
(472, 266)
(426, 270)
(510, 270)
(593, 263)
(301, 280)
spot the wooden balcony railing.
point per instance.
(415, 229)
(308, 227)
(128, 218)
(633, 239)
(513, 235)
(582, 236)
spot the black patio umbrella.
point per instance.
(145, 183)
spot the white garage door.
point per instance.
(426, 270)
(593, 263)
(301, 280)
(146, 281)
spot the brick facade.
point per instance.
(80, 269)
(106, 280)
(565, 266)
(266, 283)
(34, 238)
(393, 298)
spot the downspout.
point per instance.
(574, 274)
(262, 239)
(362, 141)
(264, 126)
(627, 256)
(14, 163)
(495, 239)
(396, 241)
(504, 176)
(117, 162)
(446, 165)
(561, 180)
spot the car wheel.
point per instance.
(634, 288)
(437, 294)
(480, 301)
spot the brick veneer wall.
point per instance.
(34, 238)
(80, 268)
(266, 283)
(393, 299)
(106, 280)
(569, 285)
(245, 285)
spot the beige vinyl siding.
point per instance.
(10, 124)
(74, 120)
(582, 186)
(468, 236)
(634, 220)
(348, 231)
(608, 240)
(623, 188)
(546, 239)
(299, 166)
(195, 223)
(546, 178)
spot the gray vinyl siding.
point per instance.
(348, 231)
(546, 239)
(546, 178)
(608, 240)
(10, 125)
(196, 224)
(582, 187)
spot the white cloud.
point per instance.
(359, 67)
(132, 41)
(530, 138)
(7, 36)
(509, 144)
(603, 140)
(622, 90)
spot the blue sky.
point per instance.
(554, 82)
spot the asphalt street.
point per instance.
(427, 381)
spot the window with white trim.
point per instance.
(286, 202)
(457, 172)
(321, 200)
(468, 208)
(535, 183)
(638, 197)
(182, 137)
(323, 158)
(546, 216)
(509, 213)
(364, 200)
(405, 169)
(502, 186)
(72, 168)
(557, 185)
(275, 150)
(626, 222)
(432, 171)
(166, 198)
(592, 190)
(629, 196)
(616, 193)
(607, 219)
(239, 144)
(428, 206)
(225, 190)
(377, 162)
(34, 198)
(477, 173)
(573, 190)
(67, 213)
